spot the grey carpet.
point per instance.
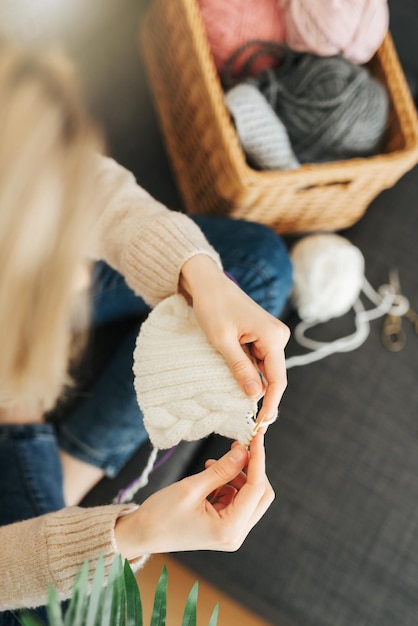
(339, 546)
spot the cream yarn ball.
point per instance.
(184, 387)
(328, 275)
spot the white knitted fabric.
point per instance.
(184, 387)
(262, 134)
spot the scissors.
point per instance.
(393, 335)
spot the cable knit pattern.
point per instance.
(185, 388)
(51, 549)
(141, 238)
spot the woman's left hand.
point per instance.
(251, 340)
(212, 510)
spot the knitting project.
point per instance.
(184, 387)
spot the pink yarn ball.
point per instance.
(230, 24)
(351, 28)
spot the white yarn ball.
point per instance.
(184, 387)
(328, 274)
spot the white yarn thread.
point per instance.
(127, 495)
(262, 134)
(328, 280)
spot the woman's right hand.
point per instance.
(212, 510)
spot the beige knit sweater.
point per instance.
(148, 244)
(49, 550)
(141, 238)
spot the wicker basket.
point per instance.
(209, 163)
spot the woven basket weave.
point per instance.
(209, 163)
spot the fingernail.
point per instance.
(237, 453)
(273, 418)
(252, 388)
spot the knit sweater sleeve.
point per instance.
(142, 239)
(49, 550)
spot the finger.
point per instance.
(238, 482)
(262, 423)
(274, 370)
(257, 475)
(251, 496)
(263, 505)
(256, 470)
(264, 426)
(243, 368)
(222, 471)
(224, 498)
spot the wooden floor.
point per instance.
(180, 581)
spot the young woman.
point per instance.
(81, 243)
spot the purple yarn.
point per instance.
(231, 277)
(164, 458)
(120, 497)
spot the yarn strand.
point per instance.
(386, 302)
(127, 494)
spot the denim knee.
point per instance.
(112, 299)
(255, 255)
(30, 472)
(265, 272)
(105, 427)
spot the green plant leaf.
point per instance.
(114, 600)
(53, 608)
(119, 595)
(118, 603)
(133, 597)
(214, 617)
(190, 614)
(159, 610)
(77, 609)
(95, 604)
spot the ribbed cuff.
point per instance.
(50, 550)
(174, 237)
(76, 534)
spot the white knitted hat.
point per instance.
(184, 387)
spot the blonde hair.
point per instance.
(48, 152)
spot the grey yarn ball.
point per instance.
(262, 135)
(331, 108)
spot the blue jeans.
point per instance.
(104, 425)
